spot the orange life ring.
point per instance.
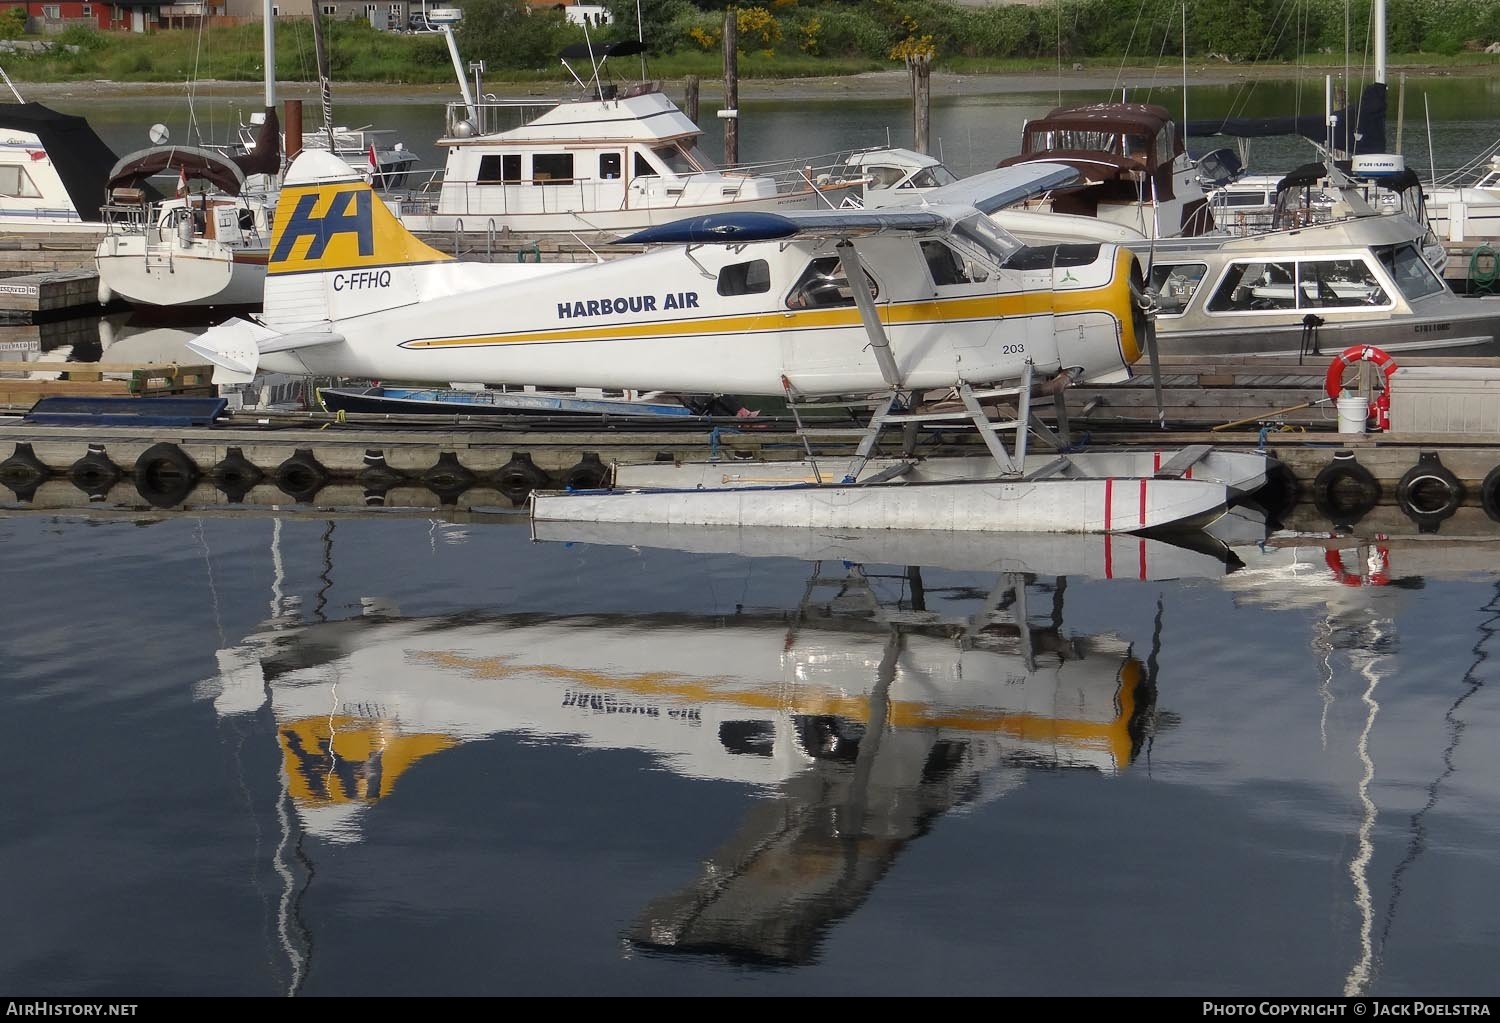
(1333, 383)
(1380, 574)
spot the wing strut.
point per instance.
(854, 271)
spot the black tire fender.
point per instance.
(519, 477)
(235, 475)
(301, 476)
(588, 473)
(165, 475)
(1429, 492)
(95, 474)
(448, 478)
(1345, 491)
(23, 467)
(1489, 494)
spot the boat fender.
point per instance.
(94, 473)
(165, 475)
(1333, 383)
(378, 475)
(236, 475)
(23, 467)
(1380, 568)
(1345, 491)
(1429, 493)
(301, 476)
(589, 473)
(1281, 491)
(448, 478)
(1489, 494)
(519, 477)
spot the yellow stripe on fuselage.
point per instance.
(1107, 299)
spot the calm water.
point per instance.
(393, 756)
(282, 754)
(1443, 124)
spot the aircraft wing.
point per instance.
(938, 209)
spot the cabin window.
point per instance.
(1337, 282)
(52, 12)
(1174, 286)
(752, 278)
(884, 177)
(504, 168)
(944, 264)
(88, 10)
(643, 168)
(1255, 285)
(17, 184)
(1413, 275)
(609, 165)
(552, 169)
(330, 9)
(823, 285)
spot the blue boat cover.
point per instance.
(123, 410)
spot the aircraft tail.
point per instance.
(337, 251)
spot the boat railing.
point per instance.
(490, 116)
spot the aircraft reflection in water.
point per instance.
(862, 721)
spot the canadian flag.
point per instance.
(374, 164)
(182, 184)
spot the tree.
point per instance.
(509, 34)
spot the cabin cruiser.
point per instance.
(616, 160)
(1134, 163)
(52, 170)
(1310, 289)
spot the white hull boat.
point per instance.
(52, 168)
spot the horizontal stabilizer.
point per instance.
(236, 345)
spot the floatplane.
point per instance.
(753, 303)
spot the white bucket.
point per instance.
(1354, 414)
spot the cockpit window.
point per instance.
(824, 285)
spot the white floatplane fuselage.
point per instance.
(350, 292)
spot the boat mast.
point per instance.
(269, 15)
(325, 87)
(1379, 15)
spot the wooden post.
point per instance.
(919, 66)
(690, 98)
(731, 111)
(293, 130)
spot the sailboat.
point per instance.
(207, 245)
(203, 248)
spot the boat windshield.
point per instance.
(683, 161)
(1413, 275)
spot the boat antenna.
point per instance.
(12, 86)
(640, 35)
